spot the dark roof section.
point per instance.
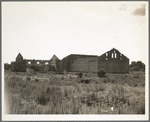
(85, 55)
(79, 56)
(19, 55)
(54, 57)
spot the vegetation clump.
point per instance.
(80, 75)
(101, 73)
(137, 66)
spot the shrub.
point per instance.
(136, 76)
(42, 98)
(87, 81)
(50, 94)
(91, 98)
(36, 80)
(101, 73)
(28, 78)
(141, 106)
(137, 66)
(80, 75)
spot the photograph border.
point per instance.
(86, 117)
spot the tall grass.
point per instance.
(68, 96)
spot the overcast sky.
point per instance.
(38, 30)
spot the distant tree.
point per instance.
(7, 66)
(133, 63)
(137, 66)
(140, 64)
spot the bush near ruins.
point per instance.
(137, 66)
(80, 75)
(7, 66)
(101, 73)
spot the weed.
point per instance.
(91, 98)
(101, 73)
(28, 78)
(80, 75)
(36, 80)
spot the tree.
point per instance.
(137, 66)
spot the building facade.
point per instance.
(112, 61)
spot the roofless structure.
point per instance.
(112, 61)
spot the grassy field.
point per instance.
(51, 93)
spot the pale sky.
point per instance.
(38, 30)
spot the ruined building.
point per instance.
(21, 64)
(112, 61)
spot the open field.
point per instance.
(51, 93)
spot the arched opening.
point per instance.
(29, 62)
(52, 68)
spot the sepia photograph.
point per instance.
(72, 60)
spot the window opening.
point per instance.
(115, 55)
(29, 62)
(38, 62)
(106, 54)
(112, 55)
(46, 63)
(106, 58)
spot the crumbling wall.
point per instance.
(18, 67)
(39, 65)
(114, 62)
(54, 63)
(65, 64)
(19, 58)
(59, 66)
